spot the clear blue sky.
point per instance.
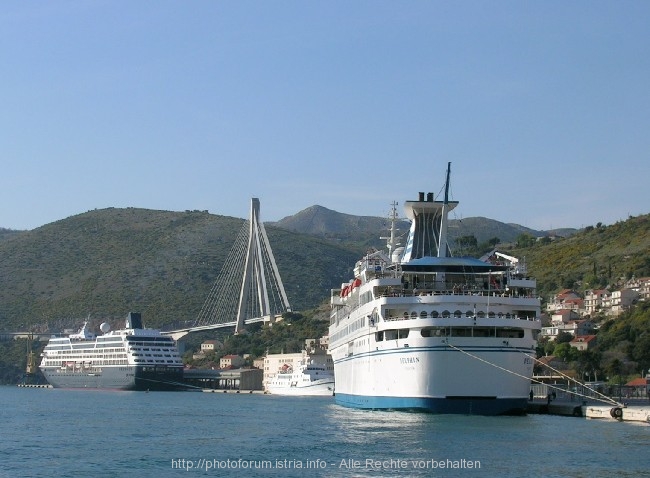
(543, 108)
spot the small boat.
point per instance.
(309, 378)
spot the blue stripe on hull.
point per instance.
(460, 405)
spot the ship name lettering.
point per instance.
(407, 360)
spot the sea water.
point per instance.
(68, 433)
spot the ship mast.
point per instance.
(391, 241)
(442, 244)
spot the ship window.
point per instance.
(434, 314)
(403, 333)
(481, 332)
(481, 315)
(414, 315)
(500, 315)
(508, 316)
(491, 315)
(510, 333)
(458, 314)
(390, 334)
(423, 314)
(406, 315)
(445, 314)
(461, 332)
(379, 336)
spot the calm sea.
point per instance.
(59, 433)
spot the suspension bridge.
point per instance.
(248, 289)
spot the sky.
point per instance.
(542, 108)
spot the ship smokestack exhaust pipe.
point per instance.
(421, 196)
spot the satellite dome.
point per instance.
(105, 327)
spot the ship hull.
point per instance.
(465, 375)
(118, 378)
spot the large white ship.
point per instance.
(309, 378)
(133, 358)
(418, 329)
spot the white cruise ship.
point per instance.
(133, 358)
(309, 378)
(417, 329)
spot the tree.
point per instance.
(525, 240)
(494, 241)
(565, 352)
(469, 242)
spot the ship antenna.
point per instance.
(442, 249)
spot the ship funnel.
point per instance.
(429, 197)
(421, 196)
(134, 320)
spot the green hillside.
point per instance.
(597, 257)
(104, 263)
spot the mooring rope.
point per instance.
(605, 399)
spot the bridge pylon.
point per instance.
(248, 289)
(259, 256)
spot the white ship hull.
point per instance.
(323, 387)
(442, 375)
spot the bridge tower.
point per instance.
(259, 256)
(248, 289)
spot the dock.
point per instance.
(635, 412)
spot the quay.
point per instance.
(226, 380)
(635, 411)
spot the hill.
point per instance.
(322, 222)
(8, 233)
(104, 263)
(596, 257)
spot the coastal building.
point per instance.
(566, 299)
(595, 300)
(622, 300)
(583, 342)
(211, 346)
(564, 316)
(231, 361)
(574, 327)
(642, 286)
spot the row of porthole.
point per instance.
(446, 314)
